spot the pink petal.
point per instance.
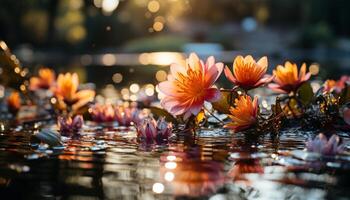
(176, 68)
(229, 75)
(263, 62)
(187, 115)
(195, 108)
(210, 62)
(307, 76)
(264, 80)
(220, 67)
(276, 88)
(211, 76)
(168, 88)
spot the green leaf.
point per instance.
(225, 102)
(50, 137)
(159, 112)
(305, 93)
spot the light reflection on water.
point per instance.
(109, 164)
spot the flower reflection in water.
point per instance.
(189, 174)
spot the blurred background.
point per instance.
(129, 44)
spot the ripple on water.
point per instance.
(106, 162)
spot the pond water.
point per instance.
(107, 163)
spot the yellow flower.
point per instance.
(247, 73)
(287, 78)
(45, 80)
(244, 114)
(67, 91)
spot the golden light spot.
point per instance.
(124, 91)
(53, 100)
(161, 75)
(149, 90)
(169, 176)
(171, 158)
(133, 97)
(76, 34)
(98, 3)
(170, 165)
(134, 88)
(109, 59)
(153, 6)
(159, 19)
(144, 58)
(17, 70)
(22, 87)
(108, 6)
(117, 78)
(158, 188)
(158, 26)
(314, 68)
(3, 45)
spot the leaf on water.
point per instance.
(159, 112)
(225, 102)
(50, 137)
(305, 94)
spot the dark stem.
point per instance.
(219, 120)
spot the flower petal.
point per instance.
(229, 75)
(212, 95)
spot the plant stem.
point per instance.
(219, 120)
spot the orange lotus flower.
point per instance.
(287, 79)
(244, 114)
(45, 80)
(189, 86)
(14, 102)
(67, 91)
(247, 73)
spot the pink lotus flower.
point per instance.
(152, 131)
(103, 113)
(189, 86)
(287, 79)
(323, 146)
(69, 126)
(247, 73)
(127, 116)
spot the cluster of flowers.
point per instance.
(124, 115)
(65, 88)
(148, 129)
(189, 86)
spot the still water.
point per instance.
(108, 163)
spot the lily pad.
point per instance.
(305, 93)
